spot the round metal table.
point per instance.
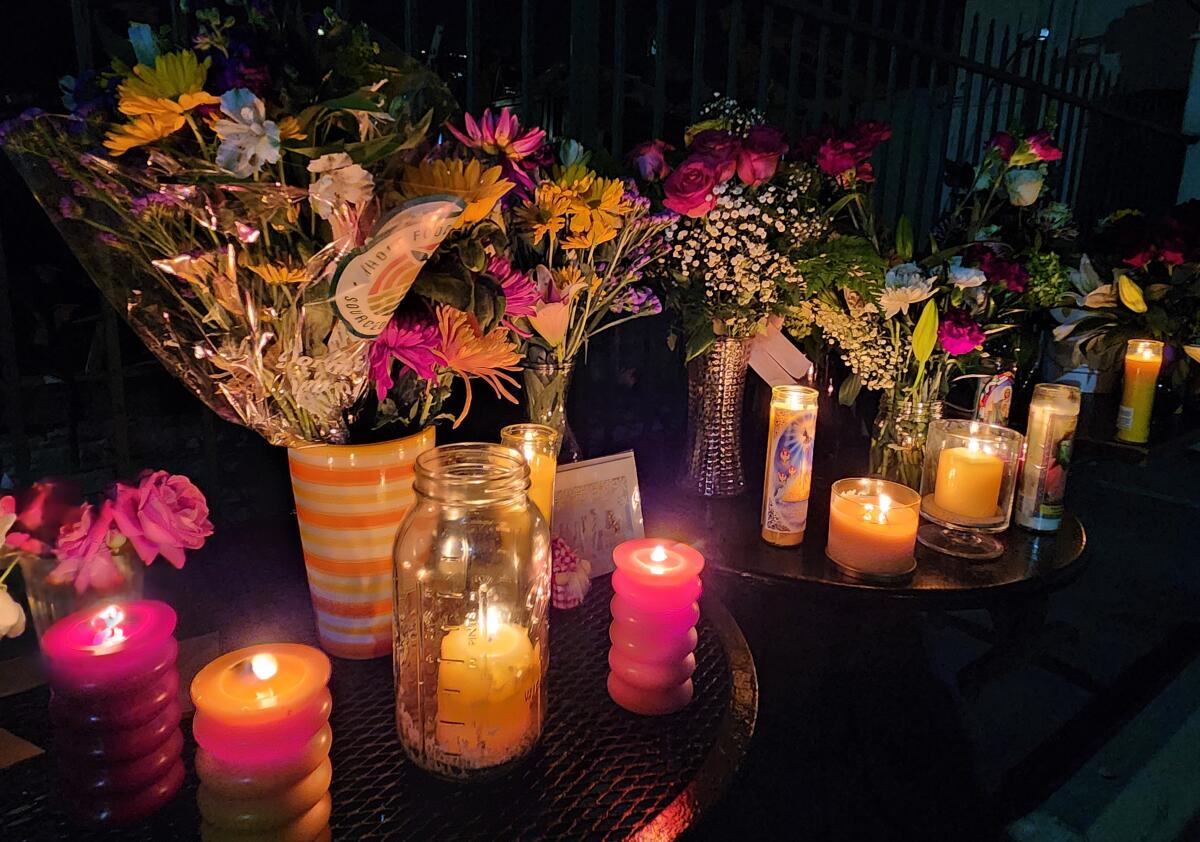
(598, 773)
(727, 532)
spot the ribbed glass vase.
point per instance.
(716, 387)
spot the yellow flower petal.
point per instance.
(480, 189)
(1130, 294)
(289, 129)
(145, 129)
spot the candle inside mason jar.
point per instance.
(1050, 435)
(787, 481)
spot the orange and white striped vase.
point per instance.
(350, 500)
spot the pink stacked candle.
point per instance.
(115, 707)
(653, 632)
(262, 727)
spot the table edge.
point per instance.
(721, 763)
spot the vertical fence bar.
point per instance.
(735, 45)
(1067, 131)
(847, 63)
(939, 23)
(472, 14)
(949, 42)
(10, 374)
(816, 112)
(584, 69)
(1017, 98)
(793, 83)
(660, 67)
(968, 89)
(116, 386)
(527, 112)
(618, 82)
(764, 56)
(911, 122)
(81, 21)
(890, 97)
(699, 94)
(410, 28)
(997, 88)
(873, 57)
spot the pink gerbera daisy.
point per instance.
(411, 340)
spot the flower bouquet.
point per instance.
(74, 553)
(743, 211)
(1154, 291)
(245, 201)
(564, 252)
(904, 324)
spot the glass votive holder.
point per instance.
(787, 480)
(1143, 359)
(539, 445)
(873, 529)
(967, 487)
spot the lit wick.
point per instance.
(111, 630)
(658, 554)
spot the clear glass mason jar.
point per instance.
(471, 589)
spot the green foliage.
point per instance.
(842, 262)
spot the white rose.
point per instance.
(1023, 186)
(341, 181)
(12, 615)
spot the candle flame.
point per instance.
(659, 553)
(264, 666)
(885, 503)
(491, 622)
(108, 626)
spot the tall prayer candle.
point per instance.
(653, 631)
(1143, 359)
(788, 477)
(114, 703)
(262, 727)
(873, 528)
(539, 445)
(1049, 436)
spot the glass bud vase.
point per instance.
(716, 387)
(471, 589)
(50, 602)
(898, 439)
(546, 388)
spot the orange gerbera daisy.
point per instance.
(468, 352)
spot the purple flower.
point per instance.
(637, 301)
(958, 333)
(142, 204)
(409, 338)
(69, 209)
(650, 161)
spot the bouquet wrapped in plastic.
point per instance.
(239, 201)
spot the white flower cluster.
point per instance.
(731, 252)
(864, 345)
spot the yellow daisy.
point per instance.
(598, 232)
(142, 130)
(172, 76)
(289, 129)
(480, 188)
(546, 215)
(135, 104)
(279, 273)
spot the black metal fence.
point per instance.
(614, 72)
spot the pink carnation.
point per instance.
(1042, 145)
(164, 514)
(84, 556)
(959, 333)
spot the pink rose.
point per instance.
(1042, 145)
(44, 507)
(867, 134)
(1004, 144)
(719, 147)
(689, 190)
(836, 157)
(84, 556)
(165, 514)
(759, 154)
(650, 161)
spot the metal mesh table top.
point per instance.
(598, 773)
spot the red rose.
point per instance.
(1005, 144)
(759, 154)
(720, 147)
(689, 190)
(835, 157)
(649, 161)
(867, 134)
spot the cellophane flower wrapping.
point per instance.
(216, 200)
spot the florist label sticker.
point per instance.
(374, 279)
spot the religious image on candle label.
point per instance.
(790, 477)
(1047, 470)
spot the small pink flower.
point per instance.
(411, 340)
(958, 333)
(164, 514)
(499, 135)
(1042, 145)
(8, 515)
(689, 190)
(759, 154)
(520, 292)
(84, 556)
(1004, 144)
(650, 161)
